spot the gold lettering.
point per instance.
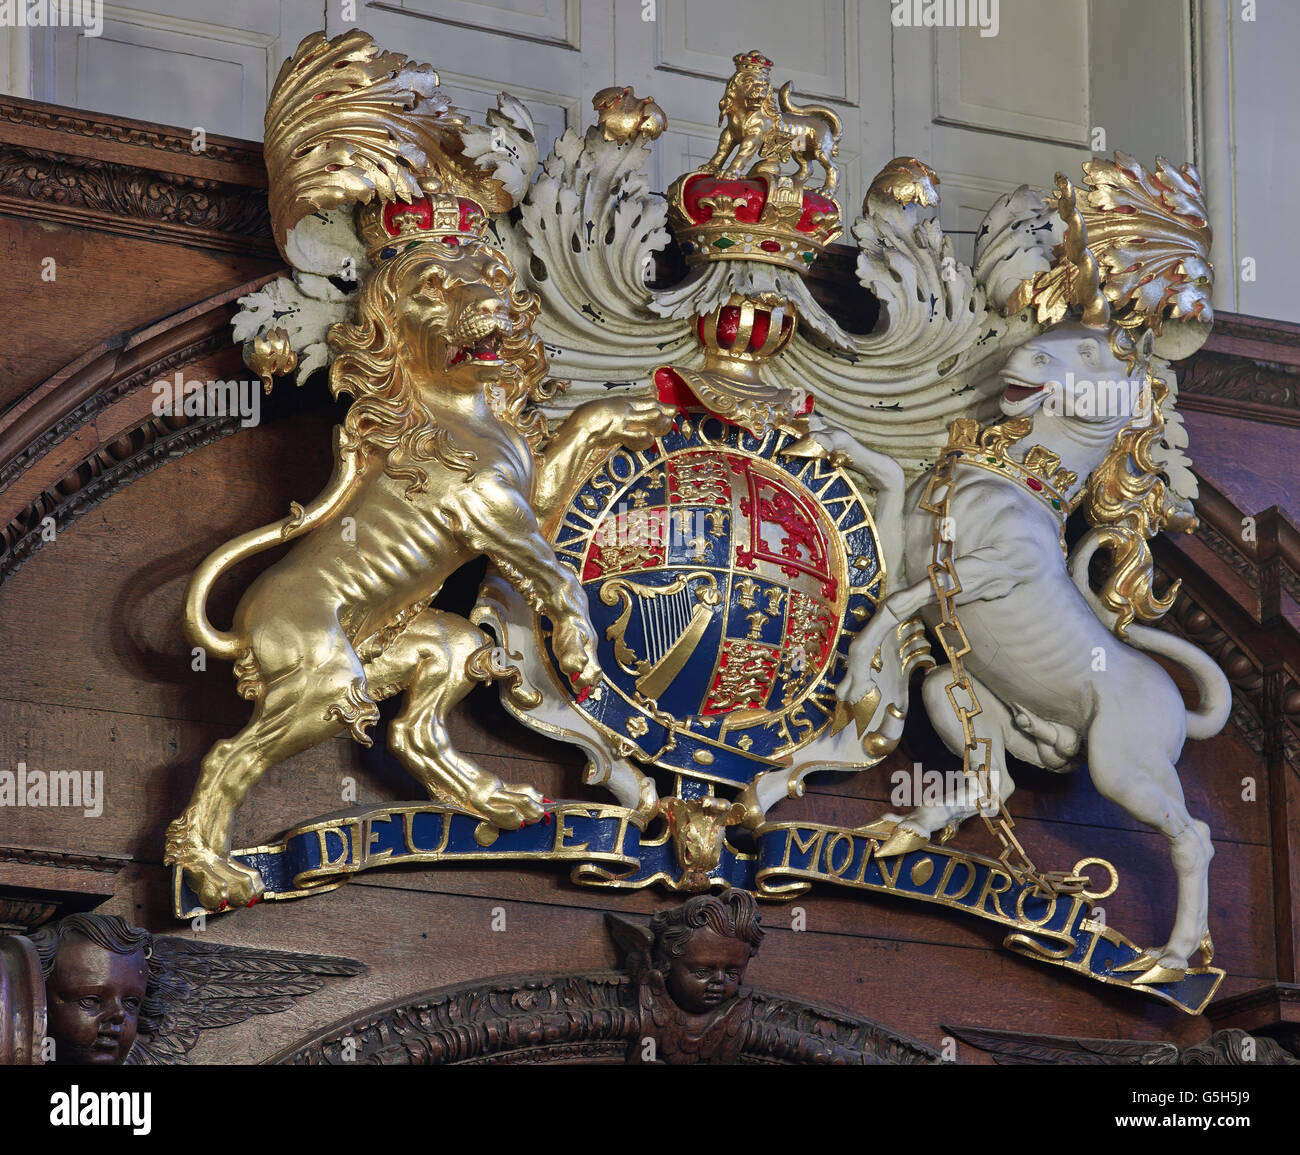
(370, 837)
(606, 485)
(942, 892)
(814, 844)
(831, 868)
(891, 880)
(408, 830)
(445, 836)
(991, 891)
(325, 860)
(717, 438)
(626, 460)
(563, 830)
(867, 852)
(1024, 919)
(802, 722)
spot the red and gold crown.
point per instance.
(755, 218)
(752, 61)
(391, 227)
(740, 205)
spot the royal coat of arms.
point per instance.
(722, 531)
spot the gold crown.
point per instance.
(1041, 472)
(756, 218)
(351, 124)
(389, 228)
(754, 62)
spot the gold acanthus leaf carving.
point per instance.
(348, 122)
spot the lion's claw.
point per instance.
(219, 881)
(574, 643)
(222, 883)
(509, 806)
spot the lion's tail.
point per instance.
(813, 110)
(227, 644)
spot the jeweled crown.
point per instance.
(748, 219)
(744, 207)
(388, 229)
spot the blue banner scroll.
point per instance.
(605, 848)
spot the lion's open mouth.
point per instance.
(487, 348)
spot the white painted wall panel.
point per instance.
(1157, 77)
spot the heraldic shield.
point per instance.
(726, 579)
(720, 538)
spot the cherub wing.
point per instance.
(633, 940)
(1023, 1048)
(201, 986)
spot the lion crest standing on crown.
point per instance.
(764, 132)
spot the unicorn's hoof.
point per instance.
(903, 841)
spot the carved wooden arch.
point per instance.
(587, 1017)
(89, 429)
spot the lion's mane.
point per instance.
(389, 414)
(1126, 500)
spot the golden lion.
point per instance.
(439, 459)
(760, 130)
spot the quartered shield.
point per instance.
(726, 580)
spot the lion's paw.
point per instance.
(222, 882)
(645, 420)
(509, 806)
(574, 644)
(219, 881)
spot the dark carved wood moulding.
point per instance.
(587, 1017)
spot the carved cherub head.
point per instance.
(96, 971)
(703, 947)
